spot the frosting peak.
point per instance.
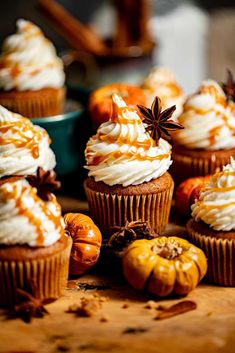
(23, 146)
(208, 120)
(162, 82)
(27, 219)
(216, 203)
(29, 61)
(122, 151)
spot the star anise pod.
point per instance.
(158, 122)
(32, 306)
(125, 235)
(229, 86)
(45, 182)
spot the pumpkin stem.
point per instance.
(168, 250)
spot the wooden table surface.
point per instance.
(209, 328)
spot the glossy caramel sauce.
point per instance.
(15, 71)
(214, 134)
(210, 207)
(98, 158)
(22, 210)
(218, 189)
(20, 135)
(174, 90)
(145, 144)
(224, 172)
(213, 91)
(118, 111)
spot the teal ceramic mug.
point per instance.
(67, 134)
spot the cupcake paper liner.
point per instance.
(50, 274)
(220, 254)
(37, 105)
(109, 210)
(186, 166)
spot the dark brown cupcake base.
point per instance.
(48, 266)
(219, 248)
(189, 163)
(115, 205)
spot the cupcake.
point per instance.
(213, 225)
(162, 83)
(128, 178)
(100, 102)
(31, 74)
(23, 146)
(208, 138)
(33, 245)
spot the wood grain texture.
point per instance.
(209, 328)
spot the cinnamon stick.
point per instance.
(78, 35)
(176, 309)
(132, 17)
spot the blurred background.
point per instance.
(193, 38)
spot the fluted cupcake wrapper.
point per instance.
(50, 275)
(109, 210)
(220, 254)
(186, 166)
(35, 105)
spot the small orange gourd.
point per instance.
(87, 241)
(187, 192)
(164, 265)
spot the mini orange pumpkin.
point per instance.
(164, 265)
(87, 241)
(187, 192)
(101, 104)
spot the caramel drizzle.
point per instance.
(213, 91)
(117, 111)
(98, 159)
(227, 172)
(216, 189)
(210, 207)
(24, 211)
(145, 144)
(174, 89)
(21, 128)
(214, 134)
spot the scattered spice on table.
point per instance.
(151, 304)
(32, 306)
(104, 318)
(134, 330)
(84, 286)
(88, 306)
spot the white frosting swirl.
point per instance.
(208, 120)
(162, 83)
(23, 146)
(29, 61)
(27, 219)
(122, 152)
(216, 203)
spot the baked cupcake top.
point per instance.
(25, 218)
(208, 119)
(29, 61)
(123, 152)
(162, 82)
(216, 203)
(23, 146)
